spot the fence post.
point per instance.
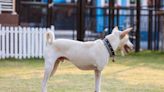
(118, 14)
(44, 39)
(52, 28)
(150, 4)
(81, 19)
(40, 42)
(11, 42)
(3, 43)
(49, 13)
(7, 41)
(24, 42)
(138, 27)
(159, 24)
(111, 15)
(20, 42)
(36, 43)
(16, 42)
(29, 42)
(32, 43)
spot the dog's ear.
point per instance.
(125, 32)
(115, 29)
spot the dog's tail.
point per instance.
(49, 36)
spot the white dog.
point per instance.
(93, 55)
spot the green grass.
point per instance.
(138, 72)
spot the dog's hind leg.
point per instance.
(49, 65)
(97, 80)
(55, 67)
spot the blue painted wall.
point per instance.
(59, 1)
(55, 1)
(122, 18)
(99, 17)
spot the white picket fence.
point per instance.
(22, 42)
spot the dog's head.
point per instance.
(117, 36)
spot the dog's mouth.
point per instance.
(127, 48)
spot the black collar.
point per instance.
(109, 47)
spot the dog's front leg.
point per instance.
(97, 80)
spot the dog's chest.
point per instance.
(87, 60)
(87, 67)
(86, 63)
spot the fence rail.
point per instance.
(22, 42)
